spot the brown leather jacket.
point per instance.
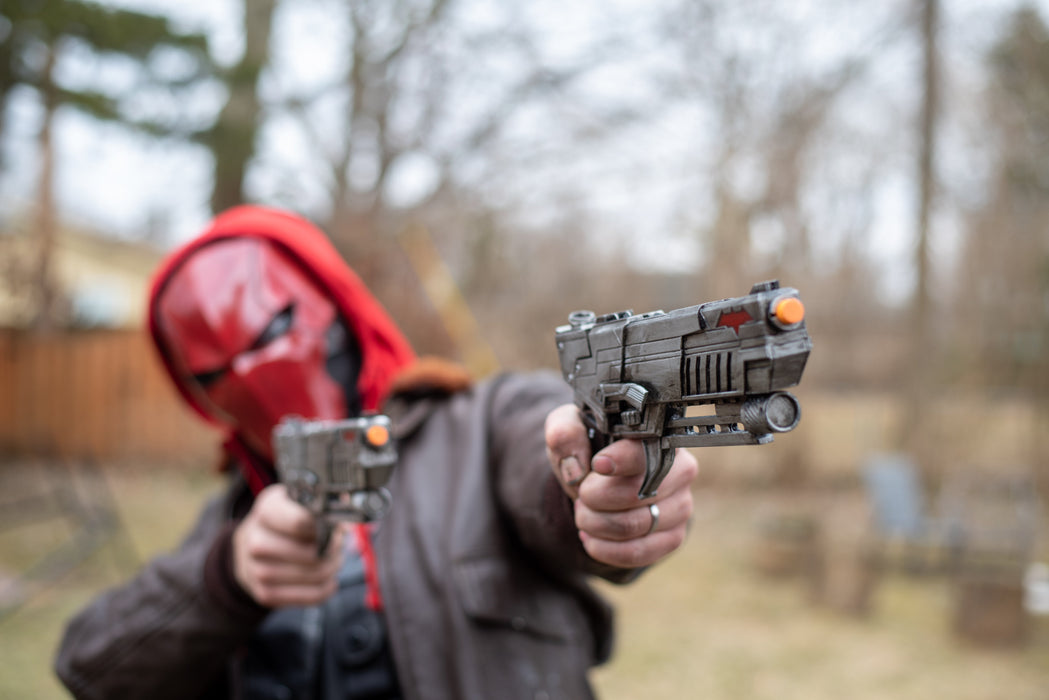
(482, 572)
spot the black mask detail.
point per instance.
(344, 363)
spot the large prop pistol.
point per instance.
(634, 376)
(338, 470)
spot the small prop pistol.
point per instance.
(634, 376)
(338, 470)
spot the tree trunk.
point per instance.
(232, 140)
(922, 353)
(44, 316)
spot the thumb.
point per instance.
(567, 446)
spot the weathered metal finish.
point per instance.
(334, 470)
(634, 376)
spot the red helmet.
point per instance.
(259, 318)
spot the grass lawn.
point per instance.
(704, 624)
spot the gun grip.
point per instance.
(324, 530)
(598, 440)
(658, 462)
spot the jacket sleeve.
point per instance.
(541, 513)
(161, 634)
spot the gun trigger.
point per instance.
(658, 461)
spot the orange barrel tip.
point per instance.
(789, 311)
(377, 435)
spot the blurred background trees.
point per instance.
(489, 166)
(602, 155)
(59, 53)
(1003, 280)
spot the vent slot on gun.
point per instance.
(340, 457)
(708, 373)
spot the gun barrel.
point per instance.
(634, 375)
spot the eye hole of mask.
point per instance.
(206, 379)
(279, 325)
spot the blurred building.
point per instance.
(101, 281)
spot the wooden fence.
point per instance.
(93, 394)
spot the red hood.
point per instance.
(384, 349)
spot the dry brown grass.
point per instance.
(704, 624)
(156, 509)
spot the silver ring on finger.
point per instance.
(654, 510)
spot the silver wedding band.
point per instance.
(654, 510)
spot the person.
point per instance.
(475, 583)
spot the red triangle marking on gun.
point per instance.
(734, 319)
